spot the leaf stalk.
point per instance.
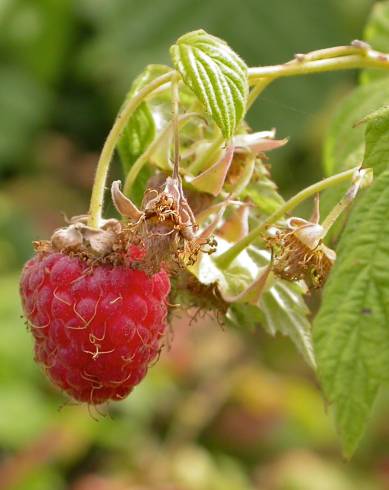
(224, 260)
(98, 190)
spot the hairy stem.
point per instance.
(356, 47)
(227, 257)
(357, 55)
(176, 136)
(346, 200)
(305, 64)
(258, 88)
(97, 197)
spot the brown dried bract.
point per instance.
(165, 226)
(298, 253)
(111, 244)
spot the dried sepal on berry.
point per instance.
(166, 226)
(79, 237)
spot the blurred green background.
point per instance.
(222, 410)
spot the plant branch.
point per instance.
(97, 197)
(322, 61)
(227, 257)
(357, 55)
(176, 136)
(257, 89)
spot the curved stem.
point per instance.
(176, 136)
(356, 47)
(97, 197)
(358, 55)
(227, 257)
(366, 59)
(258, 88)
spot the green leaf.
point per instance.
(284, 311)
(139, 133)
(281, 308)
(344, 146)
(127, 41)
(351, 335)
(216, 75)
(345, 143)
(377, 35)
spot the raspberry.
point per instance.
(97, 329)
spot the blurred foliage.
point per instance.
(222, 409)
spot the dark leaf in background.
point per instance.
(24, 108)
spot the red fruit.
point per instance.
(96, 330)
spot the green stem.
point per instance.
(227, 257)
(367, 59)
(357, 47)
(340, 207)
(97, 197)
(176, 135)
(338, 58)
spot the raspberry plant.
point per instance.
(201, 214)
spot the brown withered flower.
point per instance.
(165, 225)
(299, 253)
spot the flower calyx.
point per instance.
(165, 225)
(78, 238)
(298, 251)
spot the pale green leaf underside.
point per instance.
(216, 75)
(281, 308)
(351, 331)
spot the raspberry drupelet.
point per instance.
(96, 329)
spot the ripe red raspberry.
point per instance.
(97, 329)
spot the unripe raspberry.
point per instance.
(96, 328)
